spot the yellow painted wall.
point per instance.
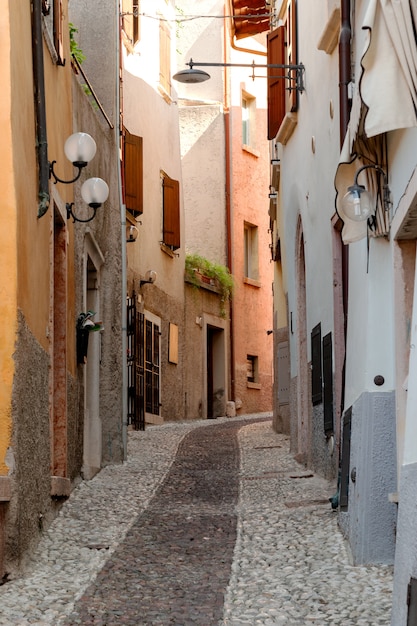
(34, 234)
(8, 276)
(25, 239)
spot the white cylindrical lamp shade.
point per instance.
(95, 191)
(80, 148)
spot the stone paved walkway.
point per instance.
(207, 523)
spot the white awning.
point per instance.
(385, 99)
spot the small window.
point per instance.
(53, 19)
(131, 9)
(252, 368)
(171, 212)
(251, 251)
(248, 120)
(165, 56)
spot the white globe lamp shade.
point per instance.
(357, 203)
(95, 191)
(80, 148)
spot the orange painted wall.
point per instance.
(252, 305)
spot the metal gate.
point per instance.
(135, 366)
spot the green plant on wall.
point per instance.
(196, 265)
(74, 47)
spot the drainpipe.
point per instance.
(344, 80)
(344, 68)
(123, 238)
(39, 80)
(228, 191)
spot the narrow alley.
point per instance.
(207, 523)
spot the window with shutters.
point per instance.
(328, 384)
(171, 212)
(53, 19)
(316, 380)
(131, 20)
(282, 93)
(133, 172)
(165, 56)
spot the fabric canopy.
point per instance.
(385, 99)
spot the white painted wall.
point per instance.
(307, 186)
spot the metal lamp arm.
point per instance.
(56, 178)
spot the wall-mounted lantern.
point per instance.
(80, 149)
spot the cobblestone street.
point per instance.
(207, 523)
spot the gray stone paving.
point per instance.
(290, 565)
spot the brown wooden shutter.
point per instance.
(171, 208)
(276, 86)
(58, 31)
(328, 384)
(133, 172)
(291, 54)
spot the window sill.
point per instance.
(287, 128)
(166, 96)
(253, 385)
(252, 282)
(251, 151)
(330, 35)
(168, 250)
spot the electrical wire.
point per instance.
(188, 18)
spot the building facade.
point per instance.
(225, 176)
(51, 269)
(347, 268)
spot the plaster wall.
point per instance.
(161, 152)
(28, 458)
(151, 113)
(8, 234)
(372, 517)
(313, 152)
(406, 548)
(370, 336)
(97, 23)
(203, 167)
(202, 40)
(106, 232)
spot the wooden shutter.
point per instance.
(291, 54)
(345, 461)
(316, 389)
(131, 10)
(58, 31)
(171, 210)
(133, 172)
(165, 56)
(276, 86)
(328, 383)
